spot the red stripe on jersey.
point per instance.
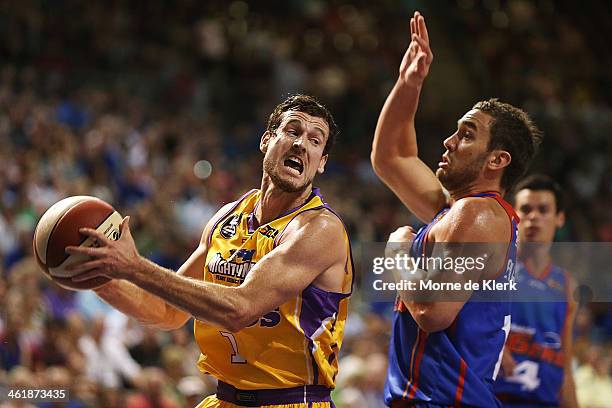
(417, 364)
(409, 382)
(460, 383)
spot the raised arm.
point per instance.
(147, 308)
(310, 251)
(394, 150)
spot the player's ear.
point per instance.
(560, 219)
(265, 139)
(499, 159)
(322, 163)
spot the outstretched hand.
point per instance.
(418, 56)
(112, 259)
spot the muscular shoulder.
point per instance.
(322, 229)
(322, 223)
(475, 219)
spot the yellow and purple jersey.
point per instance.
(296, 344)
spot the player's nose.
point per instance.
(450, 142)
(298, 143)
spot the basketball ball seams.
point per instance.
(52, 214)
(90, 213)
(110, 227)
(58, 228)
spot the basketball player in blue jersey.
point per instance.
(445, 353)
(537, 361)
(269, 283)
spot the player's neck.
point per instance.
(475, 188)
(274, 201)
(536, 258)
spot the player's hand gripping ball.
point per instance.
(59, 228)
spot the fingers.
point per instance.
(416, 23)
(422, 28)
(89, 251)
(426, 55)
(125, 225)
(406, 229)
(422, 43)
(84, 276)
(90, 232)
(80, 268)
(412, 27)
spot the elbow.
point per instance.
(381, 165)
(239, 316)
(430, 321)
(164, 326)
(174, 320)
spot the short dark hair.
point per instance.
(307, 104)
(512, 130)
(541, 182)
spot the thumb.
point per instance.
(125, 226)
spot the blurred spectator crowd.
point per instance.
(158, 108)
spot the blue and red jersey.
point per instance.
(535, 339)
(456, 366)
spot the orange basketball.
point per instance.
(59, 228)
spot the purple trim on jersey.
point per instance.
(256, 398)
(349, 243)
(318, 305)
(232, 208)
(317, 192)
(252, 220)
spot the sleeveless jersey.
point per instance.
(456, 366)
(294, 345)
(535, 339)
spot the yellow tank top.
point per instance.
(296, 344)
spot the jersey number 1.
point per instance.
(236, 357)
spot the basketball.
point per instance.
(59, 228)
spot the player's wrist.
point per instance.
(410, 84)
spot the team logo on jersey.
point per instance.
(230, 226)
(554, 284)
(235, 268)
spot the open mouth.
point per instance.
(294, 163)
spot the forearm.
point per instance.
(144, 307)
(432, 309)
(568, 393)
(217, 305)
(395, 135)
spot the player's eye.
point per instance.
(315, 141)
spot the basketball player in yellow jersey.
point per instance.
(268, 284)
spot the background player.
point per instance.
(448, 353)
(537, 362)
(269, 283)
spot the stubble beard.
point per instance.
(271, 170)
(454, 180)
